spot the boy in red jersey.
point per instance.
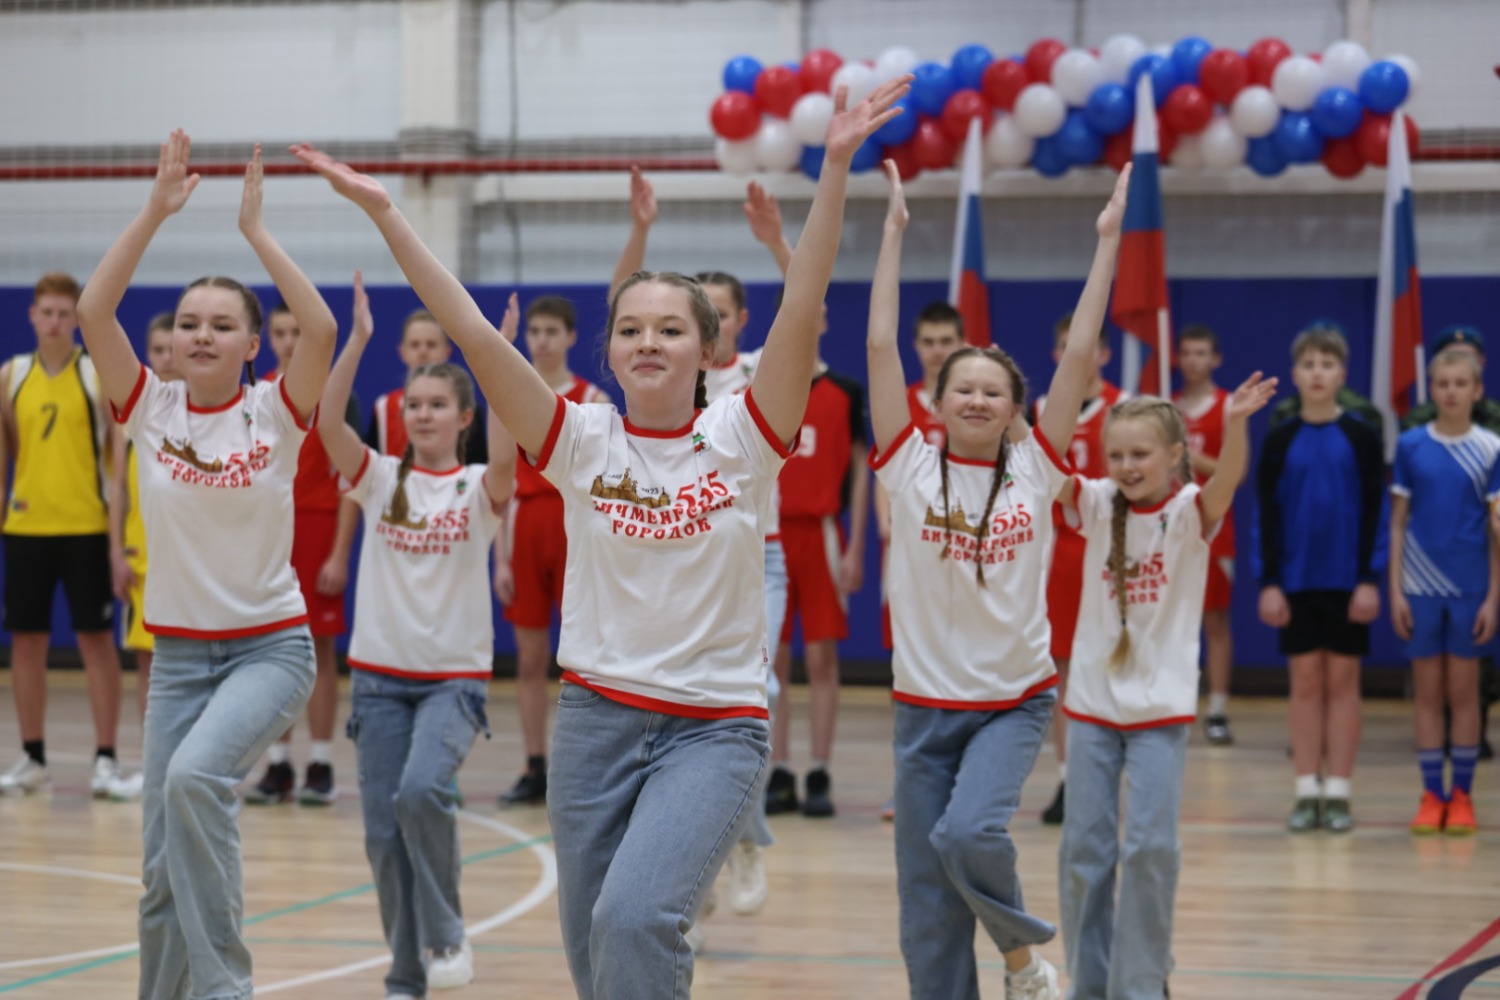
(1201, 403)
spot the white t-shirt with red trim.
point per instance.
(1166, 560)
(733, 379)
(216, 499)
(665, 550)
(422, 607)
(958, 644)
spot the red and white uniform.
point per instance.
(422, 609)
(666, 532)
(216, 499)
(387, 424)
(1205, 433)
(1165, 567)
(924, 415)
(1086, 457)
(539, 543)
(960, 645)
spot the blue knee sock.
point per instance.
(1463, 759)
(1431, 762)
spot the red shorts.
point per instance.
(1220, 589)
(1064, 591)
(312, 542)
(538, 557)
(813, 546)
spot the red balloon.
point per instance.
(1187, 110)
(931, 147)
(1342, 157)
(1264, 56)
(905, 159)
(1117, 150)
(1041, 56)
(962, 107)
(1222, 74)
(1374, 135)
(777, 89)
(735, 115)
(817, 70)
(1166, 141)
(1002, 82)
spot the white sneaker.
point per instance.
(123, 789)
(1039, 985)
(106, 773)
(25, 778)
(747, 879)
(450, 969)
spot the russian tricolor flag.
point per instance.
(1398, 305)
(967, 291)
(1140, 301)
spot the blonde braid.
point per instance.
(1117, 574)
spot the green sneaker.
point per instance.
(1304, 816)
(1336, 818)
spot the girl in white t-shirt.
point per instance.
(660, 743)
(234, 659)
(423, 646)
(971, 538)
(1133, 692)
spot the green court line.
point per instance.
(333, 897)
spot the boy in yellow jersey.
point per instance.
(56, 529)
(127, 542)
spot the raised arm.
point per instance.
(118, 507)
(114, 357)
(642, 218)
(1070, 381)
(1234, 457)
(345, 449)
(764, 215)
(889, 413)
(516, 393)
(784, 377)
(500, 476)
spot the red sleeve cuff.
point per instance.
(305, 426)
(121, 416)
(363, 466)
(1047, 450)
(878, 459)
(784, 450)
(545, 455)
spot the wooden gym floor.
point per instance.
(1260, 913)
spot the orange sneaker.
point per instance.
(1460, 815)
(1429, 818)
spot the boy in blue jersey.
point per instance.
(1319, 486)
(1445, 580)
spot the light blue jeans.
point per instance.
(758, 830)
(644, 809)
(1124, 952)
(214, 708)
(410, 738)
(958, 785)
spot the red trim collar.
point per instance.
(682, 431)
(216, 409)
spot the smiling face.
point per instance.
(212, 339)
(1141, 461)
(656, 345)
(434, 417)
(976, 401)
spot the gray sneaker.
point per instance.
(1336, 818)
(1304, 817)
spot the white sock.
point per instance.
(1336, 788)
(1308, 786)
(819, 765)
(1062, 774)
(1032, 968)
(1218, 704)
(322, 752)
(280, 753)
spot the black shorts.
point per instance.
(33, 566)
(1320, 620)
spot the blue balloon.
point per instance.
(969, 64)
(1264, 158)
(1163, 75)
(931, 88)
(900, 128)
(1296, 139)
(812, 161)
(1077, 141)
(1048, 159)
(1110, 109)
(794, 67)
(1186, 55)
(1337, 112)
(740, 73)
(1383, 86)
(867, 156)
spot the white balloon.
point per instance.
(1006, 145)
(1117, 55)
(1254, 112)
(1188, 156)
(1343, 62)
(1296, 82)
(1075, 74)
(1413, 75)
(1163, 49)
(1040, 110)
(1222, 147)
(810, 117)
(735, 157)
(776, 148)
(859, 78)
(895, 61)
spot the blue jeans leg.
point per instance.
(644, 809)
(958, 785)
(215, 707)
(758, 830)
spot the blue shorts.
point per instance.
(1443, 625)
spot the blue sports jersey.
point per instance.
(1449, 482)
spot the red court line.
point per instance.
(1474, 944)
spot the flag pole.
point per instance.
(1164, 353)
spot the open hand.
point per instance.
(362, 189)
(895, 210)
(1252, 395)
(173, 185)
(642, 200)
(763, 213)
(254, 194)
(1113, 215)
(851, 126)
(364, 321)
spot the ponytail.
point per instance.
(700, 391)
(1121, 653)
(399, 510)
